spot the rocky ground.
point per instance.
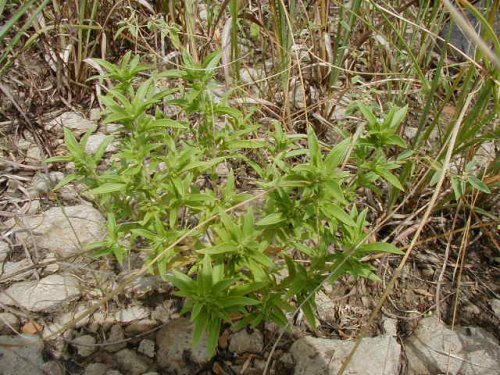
(51, 321)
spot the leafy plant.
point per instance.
(165, 183)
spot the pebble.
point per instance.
(115, 334)
(147, 347)
(96, 369)
(131, 363)
(245, 342)
(9, 323)
(174, 348)
(130, 314)
(85, 345)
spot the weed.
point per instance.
(244, 267)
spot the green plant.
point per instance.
(165, 183)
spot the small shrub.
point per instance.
(164, 184)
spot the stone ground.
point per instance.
(47, 281)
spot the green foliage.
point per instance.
(164, 184)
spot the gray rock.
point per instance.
(21, 355)
(95, 140)
(64, 230)
(131, 313)
(85, 345)
(140, 326)
(95, 114)
(147, 347)
(434, 348)
(319, 356)
(72, 121)
(44, 295)
(43, 183)
(52, 368)
(326, 308)
(4, 250)
(96, 369)
(131, 363)
(115, 335)
(13, 270)
(112, 128)
(9, 323)
(174, 348)
(113, 372)
(244, 342)
(390, 326)
(495, 306)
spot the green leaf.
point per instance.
(218, 249)
(271, 219)
(236, 300)
(337, 154)
(390, 178)
(478, 184)
(368, 114)
(249, 143)
(398, 117)
(181, 281)
(59, 159)
(332, 209)
(107, 188)
(314, 151)
(74, 148)
(383, 247)
(66, 180)
(167, 123)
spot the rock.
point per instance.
(163, 312)
(495, 306)
(43, 183)
(72, 121)
(140, 326)
(44, 295)
(96, 369)
(116, 336)
(52, 266)
(300, 97)
(52, 368)
(4, 250)
(113, 372)
(144, 285)
(147, 347)
(244, 342)
(389, 326)
(55, 229)
(326, 308)
(21, 355)
(130, 314)
(32, 328)
(12, 270)
(434, 348)
(318, 356)
(95, 140)
(174, 348)
(9, 323)
(85, 345)
(95, 114)
(131, 363)
(112, 128)
(65, 319)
